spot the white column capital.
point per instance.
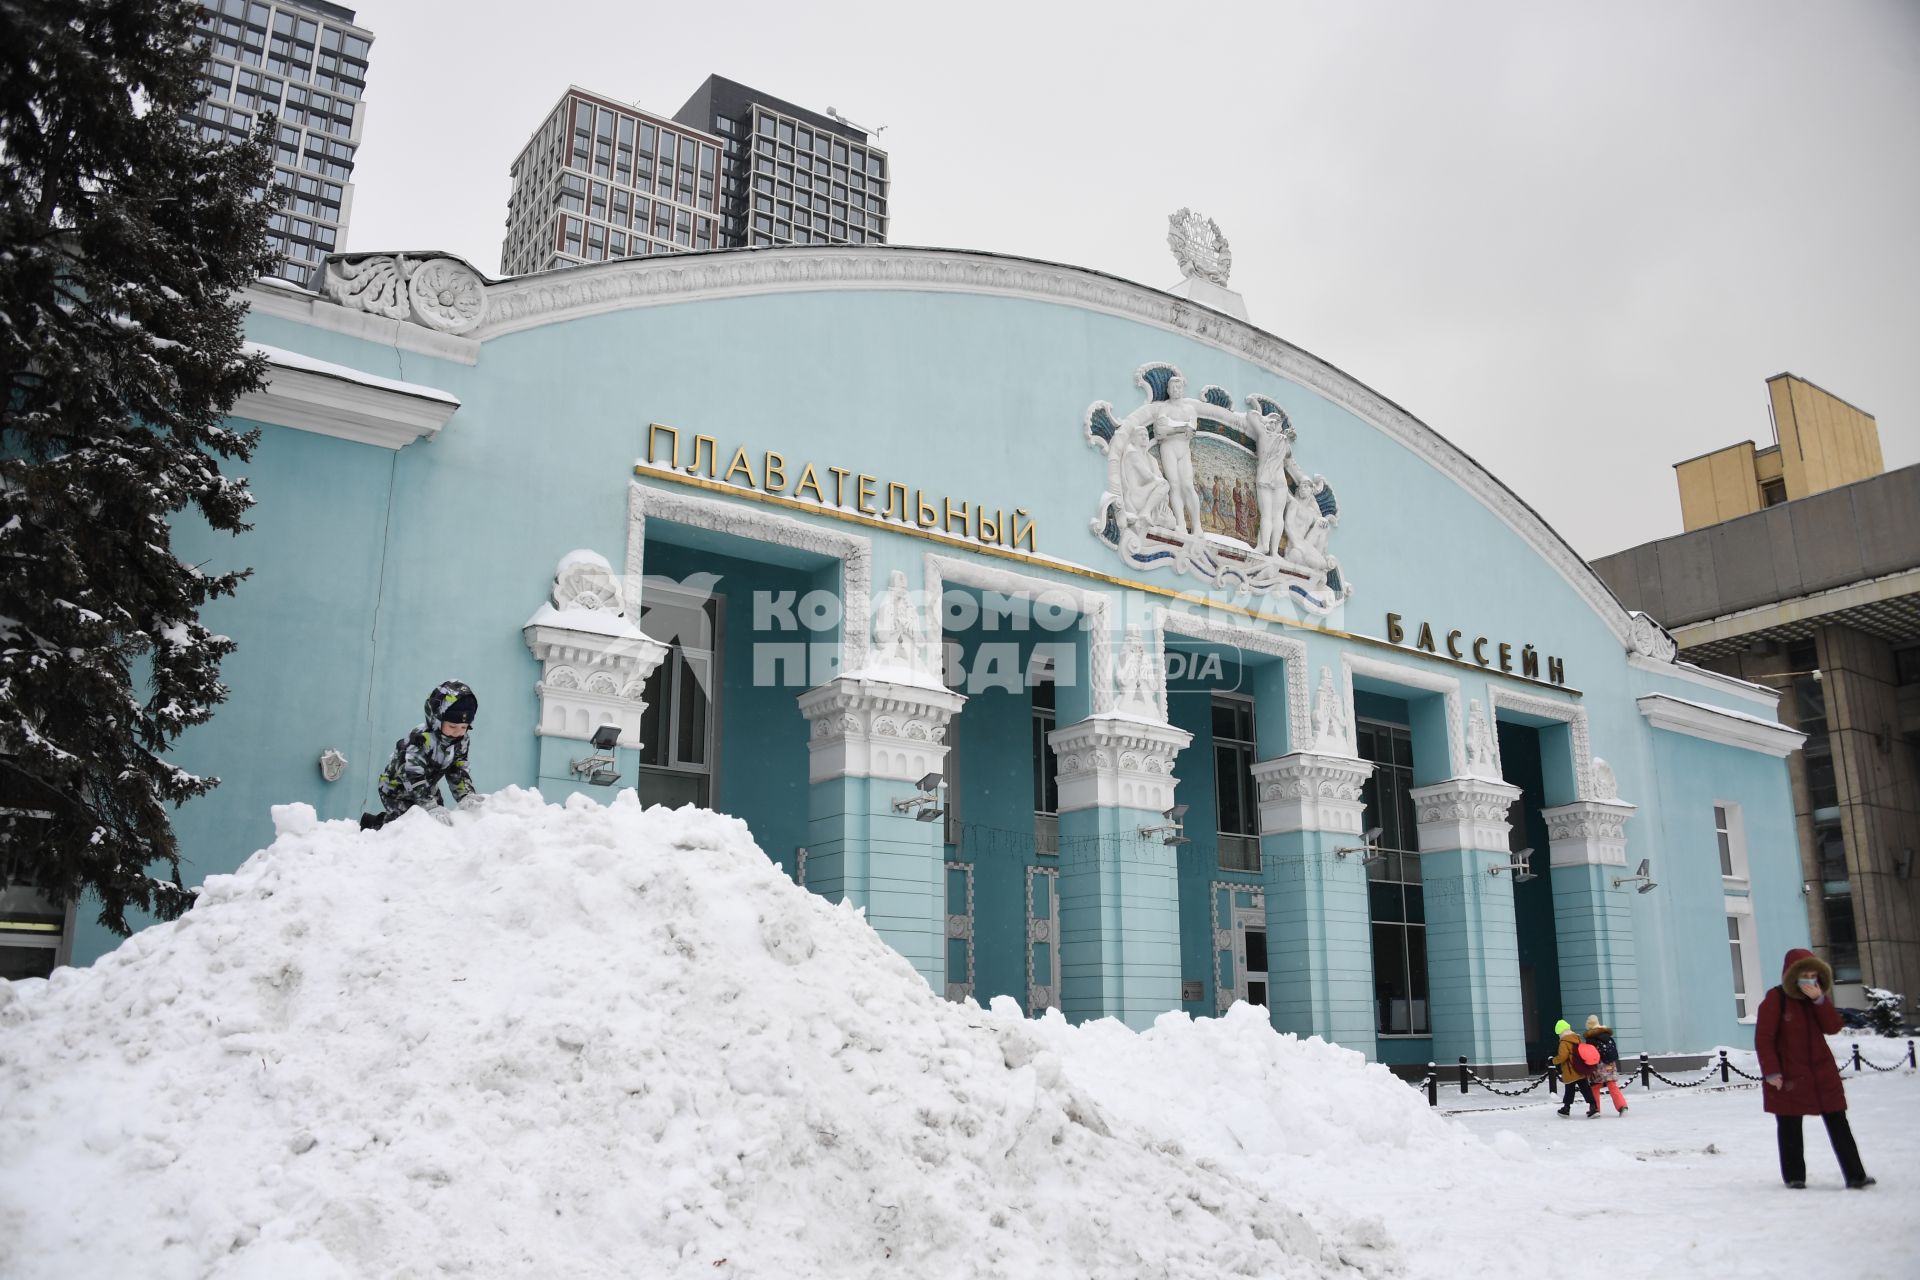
(1309, 791)
(864, 728)
(1464, 813)
(590, 677)
(1588, 833)
(1117, 762)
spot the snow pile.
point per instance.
(595, 1041)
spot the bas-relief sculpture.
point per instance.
(1199, 487)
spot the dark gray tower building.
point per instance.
(790, 175)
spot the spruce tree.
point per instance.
(124, 240)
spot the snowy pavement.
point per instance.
(608, 1042)
(1685, 1184)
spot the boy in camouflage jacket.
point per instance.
(431, 752)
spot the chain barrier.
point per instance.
(1857, 1061)
(1490, 1087)
(1644, 1076)
(1683, 1084)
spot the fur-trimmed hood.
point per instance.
(1799, 961)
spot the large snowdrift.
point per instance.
(596, 1041)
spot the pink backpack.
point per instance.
(1587, 1059)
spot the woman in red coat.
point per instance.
(1795, 1019)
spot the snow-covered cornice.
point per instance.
(1717, 724)
(335, 400)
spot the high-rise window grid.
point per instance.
(306, 65)
(803, 184)
(600, 181)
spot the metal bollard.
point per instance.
(1463, 1073)
(1646, 1072)
(1433, 1084)
(1856, 1057)
(1910, 1059)
(1724, 1077)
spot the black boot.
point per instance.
(372, 821)
(1861, 1183)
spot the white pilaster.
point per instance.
(1588, 833)
(865, 728)
(1464, 813)
(594, 660)
(1117, 762)
(1308, 791)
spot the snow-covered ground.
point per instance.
(590, 1041)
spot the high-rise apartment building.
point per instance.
(791, 176)
(600, 179)
(735, 168)
(304, 62)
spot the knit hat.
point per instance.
(451, 701)
(1561, 1027)
(1593, 1020)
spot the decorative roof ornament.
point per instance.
(1648, 639)
(1198, 247)
(438, 291)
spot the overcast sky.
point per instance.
(1573, 238)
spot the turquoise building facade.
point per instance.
(1014, 603)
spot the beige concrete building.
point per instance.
(1800, 570)
(1820, 442)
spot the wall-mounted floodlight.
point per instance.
(1519, 864)
(925, 806)
(598, 768)
(1173, 828)
(1903, 864)
(1370, 846)
(1641, 874)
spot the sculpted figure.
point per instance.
(1270, 478)
(1308, 530)
(1175, 421)
(897, 626)
(1135, 476)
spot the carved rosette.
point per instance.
(860, 728)
(1310, 791)
(437, 291)
(1115, 762)
(1464, 813)
(1648, 639)
(1588, 833)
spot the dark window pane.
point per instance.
(692, 718)
(1393, 1014)
(1417, 980)
(1257, 953)
(1225, 791)
(650, 718)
